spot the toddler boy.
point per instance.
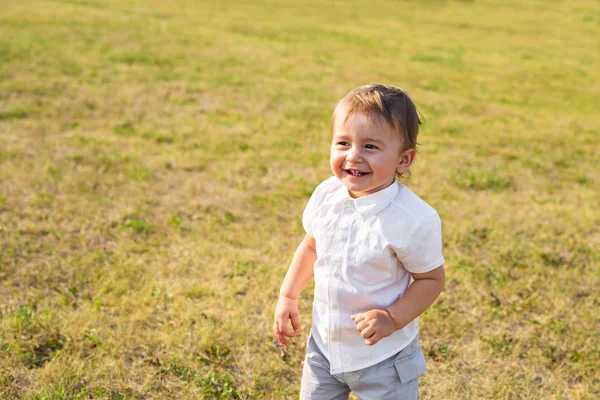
(366, 236)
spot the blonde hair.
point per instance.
(390, 103)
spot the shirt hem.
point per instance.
(320, 346)
(375, 361)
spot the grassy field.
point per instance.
(155, 158)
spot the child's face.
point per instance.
(366, 154)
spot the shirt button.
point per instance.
(335, 273)
(334, 306)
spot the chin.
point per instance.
(356, 188)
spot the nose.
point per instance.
(354, 155)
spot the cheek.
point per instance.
(377, 163)
(334, 164)
(335, 161)
(335, 157)
(384, 166)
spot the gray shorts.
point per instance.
(396, 377)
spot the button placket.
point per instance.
(332, 283)
(341, 255)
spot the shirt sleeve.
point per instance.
(422, 251)
(315, 200)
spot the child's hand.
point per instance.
(374, 325)
(286, 309)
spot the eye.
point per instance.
(371, 146)
(343, 144)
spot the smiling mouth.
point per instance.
(355, 173)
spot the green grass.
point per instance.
(155, 158)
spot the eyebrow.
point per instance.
(374, 140)
(342, 135)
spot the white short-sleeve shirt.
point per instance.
(366, 249)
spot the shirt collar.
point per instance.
(369, 204)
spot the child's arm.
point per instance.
(374, 325)
(298, 275)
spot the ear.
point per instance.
(406, 159)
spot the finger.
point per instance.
(282, 340)
(362, 325)
(368, 332)
(373, 339)
(283, 327)
(358, 317)
(296, 322)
